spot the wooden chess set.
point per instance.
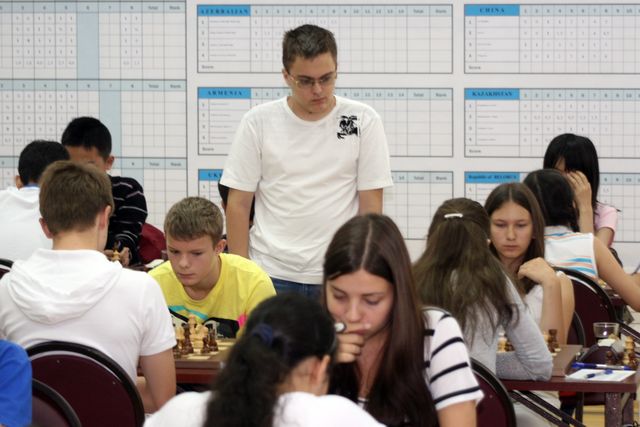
(627, 357)
(563, 355)
(197, 341)
(551, 338)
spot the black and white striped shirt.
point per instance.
(447, 368)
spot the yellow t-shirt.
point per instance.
(241, 286)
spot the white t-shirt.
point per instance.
(79, 296)
(296, 409)
(20, 231)
(306, 176)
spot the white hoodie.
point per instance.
(80, 296)
(20, 231)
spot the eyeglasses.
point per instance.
(308, 83)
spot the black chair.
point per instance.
(49, 409)
(576, 333)
(594, 305)
(496, 408)
(5, 266)
(96, 387)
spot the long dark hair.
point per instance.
(555, 197)
(520, 194)
(579, 154)
(280, 333)
(458, 272)
(374, 244)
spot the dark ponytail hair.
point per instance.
(555, 197)
(458, 272)
(579, 154)
(281, 332)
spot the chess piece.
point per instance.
(192, 324)
(554, 346)
(187, 347)
(205, 344)
(502, 344)
(609, 358)
(629, 358)
(197, 338)
(177, 352)
(116, 253)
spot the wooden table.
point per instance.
(619, 396)
(196, 369)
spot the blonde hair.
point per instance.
(194, 217)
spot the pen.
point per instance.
(595, 374)
(581, 365)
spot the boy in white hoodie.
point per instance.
(20, 231)
(73, 293)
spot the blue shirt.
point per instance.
(15, 385)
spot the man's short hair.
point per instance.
(88, 132)
(307, 41)
(72, 195)
(36, 156)
(192, 218)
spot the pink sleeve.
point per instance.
(606, 217)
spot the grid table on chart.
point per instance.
(93, 40)
(164, 181)
(145, 117)
(522, 122)
(371, 38)
(478, 185)
(208, 185)
(8, 171)
(417, 122)
(414, 198)
(622, 190)
(554, 38)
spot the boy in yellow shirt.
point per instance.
(199, 278)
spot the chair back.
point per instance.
(495, 409)
(576, 334)
(152, 243)
(49, 409)
(591, 301)
(96, 387)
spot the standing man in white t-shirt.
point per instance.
(313, 160)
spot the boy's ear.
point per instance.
(45, 229)
(103, 217)
(19, 182)
(108, 164)
(219, 248)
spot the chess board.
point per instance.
(207, 361)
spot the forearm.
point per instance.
(459, 414)
(552, 314)
(160, 378)
(238, 230)
(370, 201)
(585, 222)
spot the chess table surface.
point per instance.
(202, 368)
